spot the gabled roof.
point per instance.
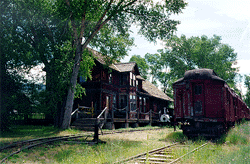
(125, 67)
(120, 67)
(152, 90)
(101, 59)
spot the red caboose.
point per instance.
(204, 103)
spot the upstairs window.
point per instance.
(110, 78)
(198, 90)
(132, 79)
(123, 79)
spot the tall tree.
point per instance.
(43, 38)
(12, 56)
(247, 84)
(88, 17)
(182, 54)
(142, 65)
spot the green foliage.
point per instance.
(56, 33)
(155, 66)
(247, 84)
(200, 52)
(182, 54)
(142, 65)
(176, 137)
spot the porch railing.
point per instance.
(83, 109)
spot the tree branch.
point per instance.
(73, 24)
(104, 14)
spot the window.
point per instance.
(131, 78)
(198, 89)
(198, 108)
(82, 79)
(110, 78)
(123, 79)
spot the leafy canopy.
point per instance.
(182, 54)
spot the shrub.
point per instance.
(176, 137)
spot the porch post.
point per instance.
(96, 135)
(126, 120)
(150, 117)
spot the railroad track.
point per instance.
(161, 155)
(19, 146)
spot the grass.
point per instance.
(231, 148)
(118, 146)
(19, 133)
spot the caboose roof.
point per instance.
(203, 73)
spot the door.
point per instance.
(198, 96)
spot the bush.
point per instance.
(176, 137)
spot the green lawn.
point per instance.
(231, 148)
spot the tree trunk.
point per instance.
(71, 90)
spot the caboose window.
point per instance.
(198, 89)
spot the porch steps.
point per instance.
(87, 124)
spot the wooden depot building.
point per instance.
(129, 99)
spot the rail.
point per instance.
(102, 112)
(28, 144)
(176, 160)
(160, 155)
(90, 110)
(74, 111)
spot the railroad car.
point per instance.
(205, 105)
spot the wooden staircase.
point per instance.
(87, 124)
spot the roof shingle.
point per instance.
(152, 90)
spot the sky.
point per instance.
(229, 19)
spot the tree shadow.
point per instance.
(33, 131)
